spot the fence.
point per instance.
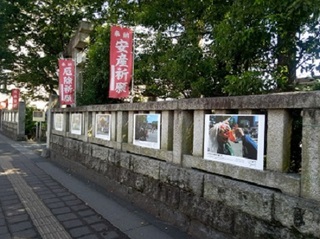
(13, 122)
(272, 196)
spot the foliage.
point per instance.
(185, 48)
(29, 123)
(96, 71)
(34, 35)
(239, 38)
(245, 84)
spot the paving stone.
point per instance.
(29, 233)
(92, 219)
(73, 202)
(72, 223)
(13, 206)
(6, 236)
(61, 210)
(90, 236)
(86, 213)
(110, 235)
(20, 226)
(10, 197)
(47, 196)
(18, 218)
(59, 190)
(79, 207)
(69, 198)
(3, 230)
(10, 202)
(14, 212)
(66, 217)
(62, 194)
(55, 205)
(51, 200)
(80, 231)
(2, 222)
(100, 227)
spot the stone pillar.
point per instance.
(130, 127)
(122, 128)
(87, 122)
(183, 135)
(21, 128)
(92, 132)
(310, 171)
(279, 140)
(198, 133)
(166, 130)
(113, 128)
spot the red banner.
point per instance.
(66, 81)
(121, 61)
(15, 94)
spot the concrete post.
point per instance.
(122, 128)
(130, 127)
(198, 133)
(310, 176)
(279, 140)
(183, 135)
(21, 129)
(114, 120)
(166, 130)
(87, 122)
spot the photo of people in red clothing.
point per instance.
(235, 139)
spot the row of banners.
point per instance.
(121, 65)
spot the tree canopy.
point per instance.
(186, 48)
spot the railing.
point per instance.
(13, 122)
(182, 138)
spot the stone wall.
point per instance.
(204, 204)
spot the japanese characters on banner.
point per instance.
(15, 94)
(121, 61)
(66, 81)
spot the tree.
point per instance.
(267, 38)
(188, 48)
(96, 71)
(36, 33)
(262, 40)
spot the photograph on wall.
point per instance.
(58, 122)
(235, 139)
(103, 126)
(147, 130)
(76, 124)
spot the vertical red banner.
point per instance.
(66, 81)
(15, 94)
(121, 61)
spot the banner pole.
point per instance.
(133, 54)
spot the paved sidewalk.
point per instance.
(40, 200)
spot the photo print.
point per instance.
(235, 139)
(147, 130)
(76, 123)
(103, 122)
(58, 122)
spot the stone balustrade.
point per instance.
(13, 122)
(266, 195)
